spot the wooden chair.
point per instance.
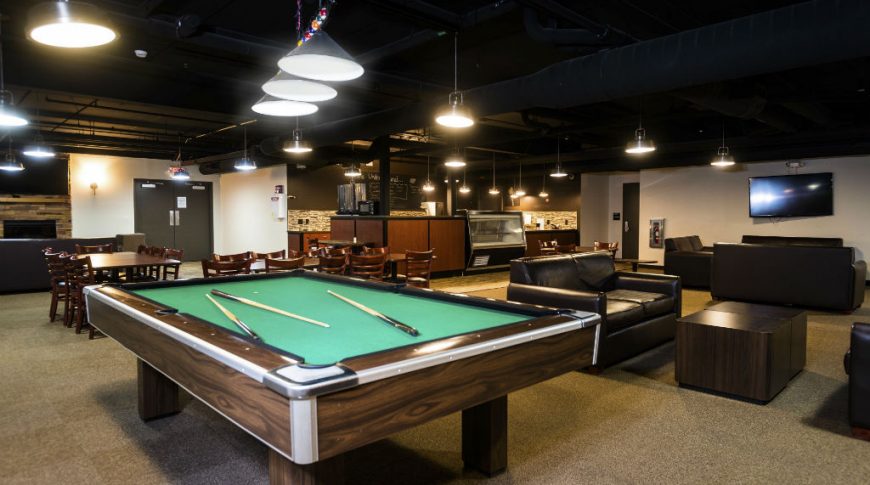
(292, 253)
(606, 246)
(418, 268)
(213, 269)
(79, 273)
(273, 255)
(332, 264)
(56, 263)
(172, 269)
(278, 265)
(369, 266)
(231, 257)
(376, 250)
(99, 248)
(566, 248)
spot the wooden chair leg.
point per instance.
(52, 310)
(80, 315)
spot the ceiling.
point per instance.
(534, 71)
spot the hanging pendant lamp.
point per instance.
(177, 172)
(493, 190)
(69, 25)
(9, 116)
(285, 86)
(428, 187)
(39, 150)
(723, 158)
(455, 160)
(640, 144)
(272, 106)
(245, 164)
(558, 173)
(543, 193)
(464, 188)
(455, 115)
(353, 171)
(322, 59)
(519, 192)
(10, 163)
(296, 144)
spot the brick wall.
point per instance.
(38, 208)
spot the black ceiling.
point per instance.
(207, 59)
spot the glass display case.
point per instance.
(494, 238)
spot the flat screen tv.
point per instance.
(39, 177)
(804, 195)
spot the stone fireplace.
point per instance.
(40, 210)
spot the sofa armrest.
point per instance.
(559, 298)
(859, 375)
(860, 270)
(654, 283)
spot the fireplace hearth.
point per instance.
(19, 229)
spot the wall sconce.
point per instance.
(94, 188)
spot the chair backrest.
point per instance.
(231, 257)
(276, 265)
(156, 251)
(332, 264)
(56, 263)
(419, 264)
(142, 249)
(292, 253)
(378, 250)
(211, 269)
(170, 253)
(79, 273)
(99, 248)
(367, 265)
(273, 255)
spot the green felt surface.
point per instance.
(351, 333)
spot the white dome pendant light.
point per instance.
(322, 59)
(71, 25)
(245, 164)
(9, 116)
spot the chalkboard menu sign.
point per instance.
(404, 190)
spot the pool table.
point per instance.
(312, 393)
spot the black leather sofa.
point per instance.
(857, 364)
(22, 267)
(827, 242)
(638, 310)
(687, 258)
(811, 275)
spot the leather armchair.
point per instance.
(689, 259)
(857, 363)
(638, 310)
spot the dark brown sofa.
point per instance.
(857, 364)
(689, 259)
(638, 310)
(804, 273)
(22, 267)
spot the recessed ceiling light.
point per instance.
(141, 53)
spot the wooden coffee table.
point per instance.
(744, 350)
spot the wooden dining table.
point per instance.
(126, 261)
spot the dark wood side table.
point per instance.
(741, 349)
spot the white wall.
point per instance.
(714, 204)
(110, 211)
(246, 212)
(600, 197)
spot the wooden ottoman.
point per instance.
(741, 349)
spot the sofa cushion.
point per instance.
(595, 270)
(653, 304)
(622, 314)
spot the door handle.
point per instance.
(625, 226)
(177, 218)
(171, 217)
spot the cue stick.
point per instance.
(390, 321)
(266, 307)
(234, 318)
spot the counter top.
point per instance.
(552, 230)
(348, 216)
(306, 231)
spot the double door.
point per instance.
(175, 214)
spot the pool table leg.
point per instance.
(284, 472)
(484, 436)
(158, 395)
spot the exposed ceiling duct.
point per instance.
(561, 37)
(805, 34)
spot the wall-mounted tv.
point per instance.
(804, 195)
(40, 177)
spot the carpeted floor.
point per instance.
(68, 415)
